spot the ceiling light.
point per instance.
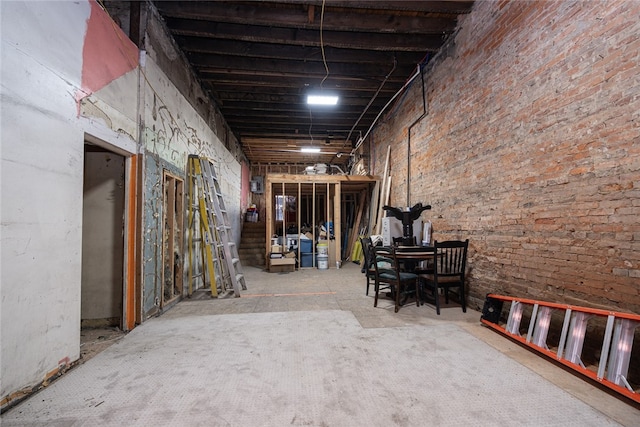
(310, 150)
(322, 99)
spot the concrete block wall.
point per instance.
(531, 149)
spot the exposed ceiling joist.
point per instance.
(259, 59)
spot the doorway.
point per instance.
(103, 229)
(172, 244)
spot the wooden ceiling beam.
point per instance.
(192, 45)
(291, 36)
(248, 92)
(345, 122)
(284, 67)
(252, 128)
(225, 80)
(446, 6)
(258, 59)
(292, 103)
(344, 19)
(300, 128)
(266, 119)
(291, 139)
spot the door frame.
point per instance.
(131, 303)
(175, 198)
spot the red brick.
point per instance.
(530, 151)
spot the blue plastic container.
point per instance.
(306, 246)
(307, 260)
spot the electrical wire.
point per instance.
(418, 71)
(373, 98)
(310, 125)
(326, 67)
(324, 58)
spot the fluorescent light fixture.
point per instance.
(322, 99)
(310, 150)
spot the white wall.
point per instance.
(102, 239)
(42, 155)
(42, 135)
(173, 129)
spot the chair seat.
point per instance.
(442, 280)
(391, 275)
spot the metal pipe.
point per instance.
(361, 140)
(373, 98)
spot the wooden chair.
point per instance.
(449, 264)
(391, 277)
(367, 267)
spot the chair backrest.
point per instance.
(386, 253)
(450, 258)
(366, 250)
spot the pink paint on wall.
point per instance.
(245, 186)
(107, 52)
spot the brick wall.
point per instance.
(531, 149)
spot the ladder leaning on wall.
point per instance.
(209, 219)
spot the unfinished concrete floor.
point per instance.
(308, 348)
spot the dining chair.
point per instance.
(391, 277)
(367, 267)
(449, 264)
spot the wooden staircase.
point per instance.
(252, 244)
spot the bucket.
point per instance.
(323, 248)
(323, 262)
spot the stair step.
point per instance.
(252, 244)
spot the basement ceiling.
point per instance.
(258, 60)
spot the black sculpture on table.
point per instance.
(407, 218)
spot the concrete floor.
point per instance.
(309, 348)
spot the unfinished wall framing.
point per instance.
(318, 198)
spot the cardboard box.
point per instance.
(282, 268)
(283, 261)
(282, 265)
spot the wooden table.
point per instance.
(415, 254)
(420, 253)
